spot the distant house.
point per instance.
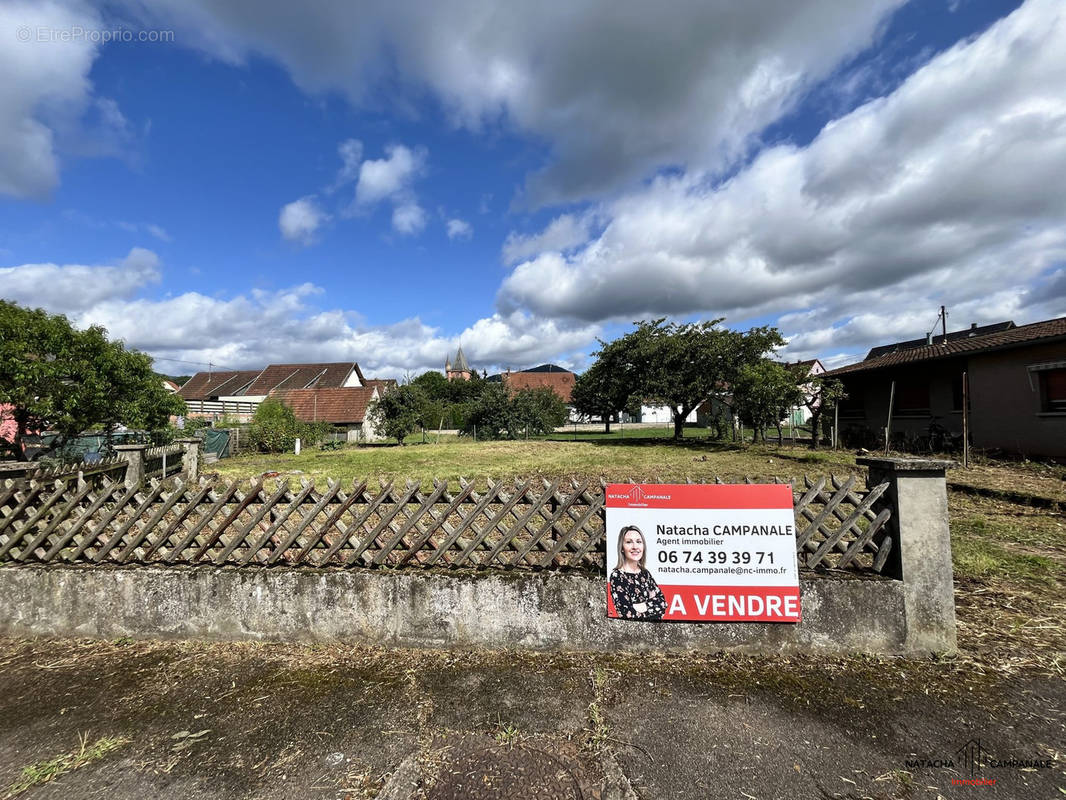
(343, 407)
(546, 376)
(238, 393)
(1017, 388)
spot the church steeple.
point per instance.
(459, 369)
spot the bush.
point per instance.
(274, 428)
(399, 413)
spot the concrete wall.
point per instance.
(1006, 406)
(538, 611)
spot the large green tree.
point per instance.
(399, 412)
(763, 393)
(605, 388)
(683, 364)
(57, 378)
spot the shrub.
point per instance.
(274, 427)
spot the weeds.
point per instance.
(45, 771)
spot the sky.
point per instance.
(243, 182)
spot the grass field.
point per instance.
(647, 458)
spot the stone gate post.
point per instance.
(190, 460)
(921, 547)
(134, 455)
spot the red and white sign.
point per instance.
(702, 553)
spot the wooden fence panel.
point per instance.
(529, 525)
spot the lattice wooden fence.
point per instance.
(531, 524)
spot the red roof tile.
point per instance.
(339, 404)
(1013, 337)
(562, 383)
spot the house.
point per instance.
(343, 407)
(238, 393)
(802, 369)
(1017, 388)
(546, 376)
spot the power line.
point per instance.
(209, 364)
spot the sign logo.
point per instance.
(971, 755)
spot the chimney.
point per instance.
(929, 338)
(973, 326)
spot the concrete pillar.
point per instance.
(921, 548)
(134, 455)
(190, 460)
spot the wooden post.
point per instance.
(836, 424)
(965, 421)
(888, 421)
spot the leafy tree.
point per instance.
(61, 379)
(399, 412)
(763, 393)
(604, 389)
(490, 414)
(535, 412)
(435, 386)
(819, 394)
(681, 365)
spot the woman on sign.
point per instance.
(634, 592)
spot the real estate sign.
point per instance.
(702, 553)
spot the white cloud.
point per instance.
(459, 229)
(46, 85)
(565, 232)
(408, 218)
(351, 153)
(158, 232)
(71, 287)
(616, 90)
(391, 177)
(937, 193)
(301, 219)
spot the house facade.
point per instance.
(1016, 386)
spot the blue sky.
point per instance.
(381, 182)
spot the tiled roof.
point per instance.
(205, 385)
(562, 383)
(1011, 337)
(340, 404)
(383, 384)
(967, 333)
(302, 376)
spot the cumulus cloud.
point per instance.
(459, 229)
(69, 288)
(301, 219)
(616, 90)
(257, 327)
(408, 218)
(565, 232)
(390, 177)
(939, 192)
(46, 85)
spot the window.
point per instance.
(1053, 390)
(912, 397)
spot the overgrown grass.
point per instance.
(45, 771)
(645, 459)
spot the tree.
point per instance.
(55, 377)
(819, 394)
(763, 393)
(681, 365)
(535, 412)
(398, 413)
(603, 390)
(490, 414)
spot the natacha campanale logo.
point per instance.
(970, 756)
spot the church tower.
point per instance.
(459, 370)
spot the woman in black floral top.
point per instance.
(634, 592)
